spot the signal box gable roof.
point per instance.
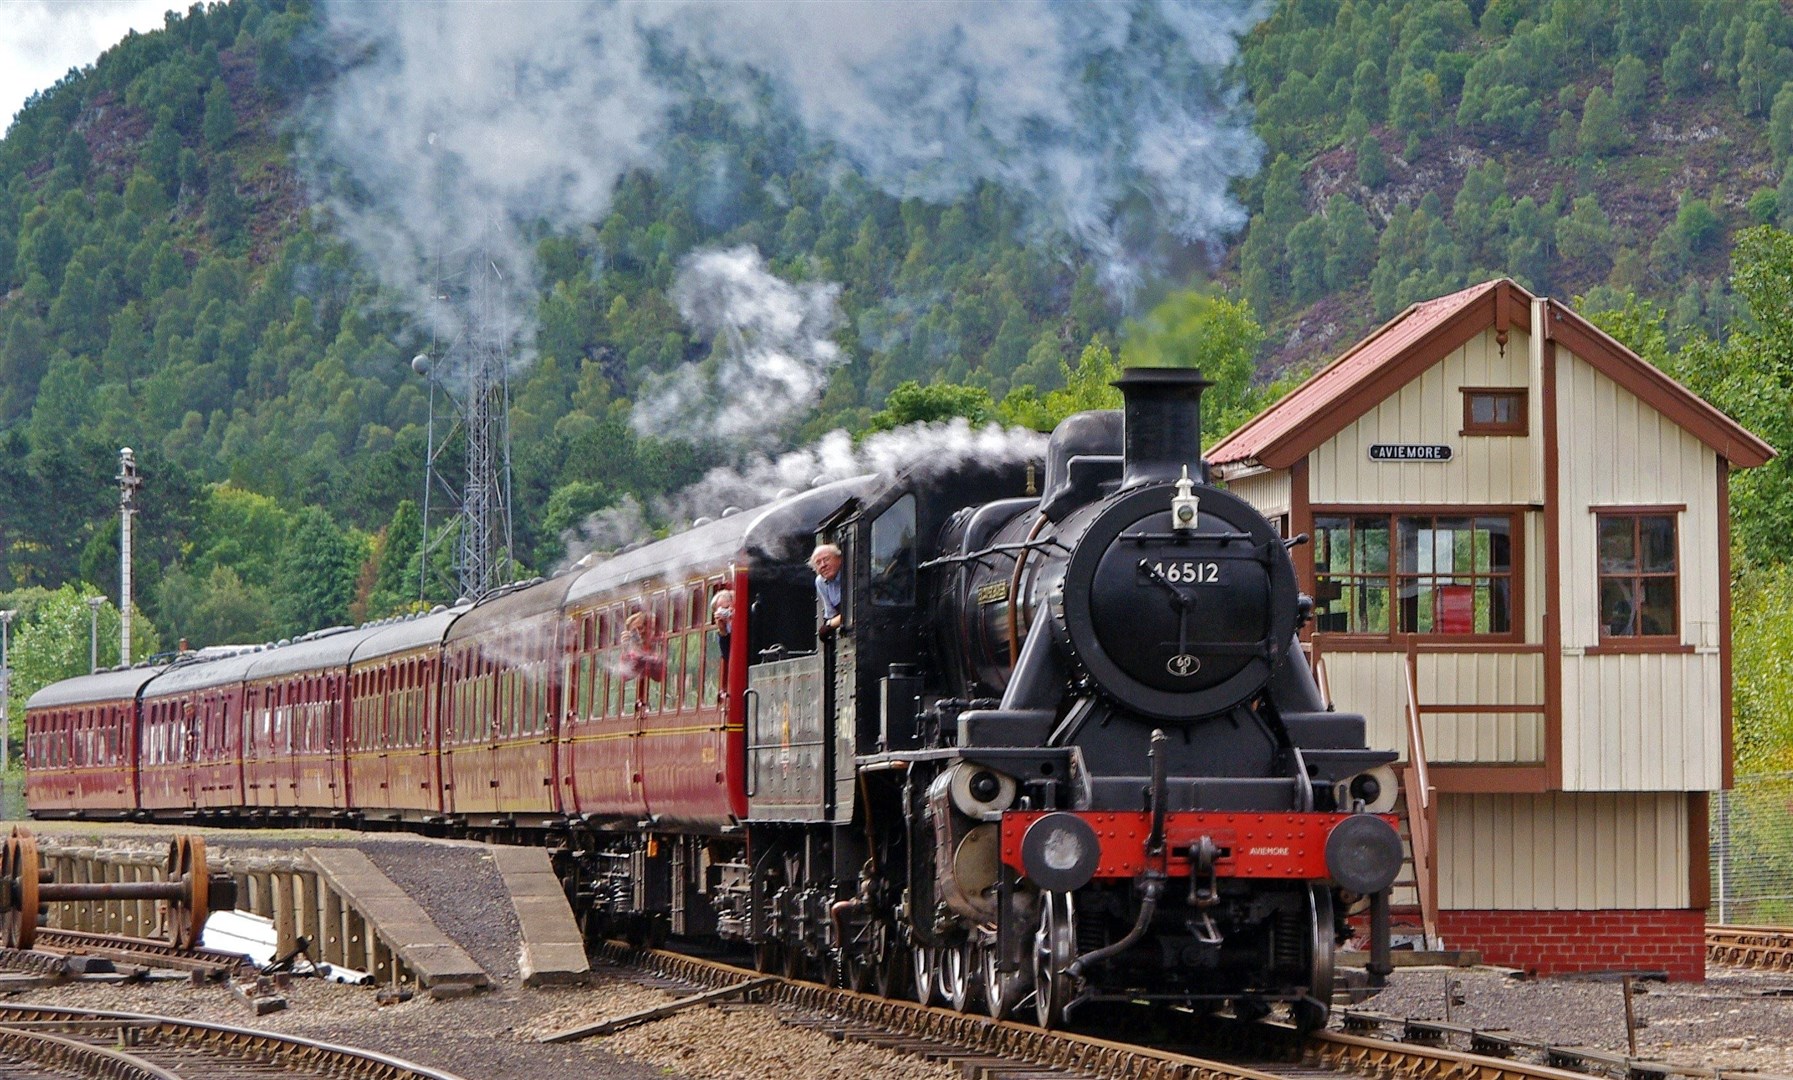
(1424, 334)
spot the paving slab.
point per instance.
(397, 919)
(553, 949)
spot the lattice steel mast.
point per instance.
(474, 376)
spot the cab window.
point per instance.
(893, 555)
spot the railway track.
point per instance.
(1768, 948)
(979, 1047)
(60, 1042)
(66, 953)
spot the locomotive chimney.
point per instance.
(1163, 424)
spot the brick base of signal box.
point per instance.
(1565, 942)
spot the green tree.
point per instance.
(1369, 93)
(315, 578)
(218, 608)
(1698, 224)
(1372, 163)
(1602, 132)
(1306, 255)
(1350, 243)
(59, 639)
(1629, 82)
(1214, 335)
(220, 123)
(401, 543)
(1586, 233)
(912, 403)
(1087, 386)
(1413, 107)
(1762, 637)
(1681, 68)
(1780, 126)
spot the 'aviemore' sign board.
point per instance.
(1409, 452)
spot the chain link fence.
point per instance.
(1752, 852)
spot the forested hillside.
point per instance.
(172, 279)
(1584, 148)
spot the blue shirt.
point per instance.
(828, 592)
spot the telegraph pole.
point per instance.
(6, 618)
(93, 632)
(128, 482)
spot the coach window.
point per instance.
(1451, 575)
(1639, 569)
(893, 555)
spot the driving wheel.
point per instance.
(925, 969)
(957, 981)
(1054, 948)
(1309, 1013)
(1003, 990)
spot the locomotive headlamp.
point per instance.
(1185, 508)
(1059, 852)
(1363, 854)
(1375, 788)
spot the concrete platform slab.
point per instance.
(553, 950)
(397, 920)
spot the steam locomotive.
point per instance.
(1063, 747)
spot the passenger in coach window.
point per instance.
(722, 616)
(641, 647)
(826, 562)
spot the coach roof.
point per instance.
(92, 689)
(780, 531)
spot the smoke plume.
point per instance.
(770, 356)
(917, 448)
(456, 132)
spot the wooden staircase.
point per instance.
(1413, 900)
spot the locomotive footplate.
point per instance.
(1290, 846)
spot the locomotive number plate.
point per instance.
(1187, 572)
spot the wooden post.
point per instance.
(330, 932)
(286, 934)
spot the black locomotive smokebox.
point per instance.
(1180, 616)
(1177, 624)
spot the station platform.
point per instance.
(553, 951)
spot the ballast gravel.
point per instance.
(1737, 1020)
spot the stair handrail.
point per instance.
(1422, 814)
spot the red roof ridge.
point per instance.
(1410, 343)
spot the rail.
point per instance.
(257, 1050)
(1767, 948)
(1010, 1048)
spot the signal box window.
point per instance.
(1444, 575)
(1639, 577)
(893, 555)
(1494, 412)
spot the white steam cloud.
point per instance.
(926, 448)
(459, 130)
(771, 351)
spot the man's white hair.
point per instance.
(820, 551)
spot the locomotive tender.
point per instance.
(1064, 748)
